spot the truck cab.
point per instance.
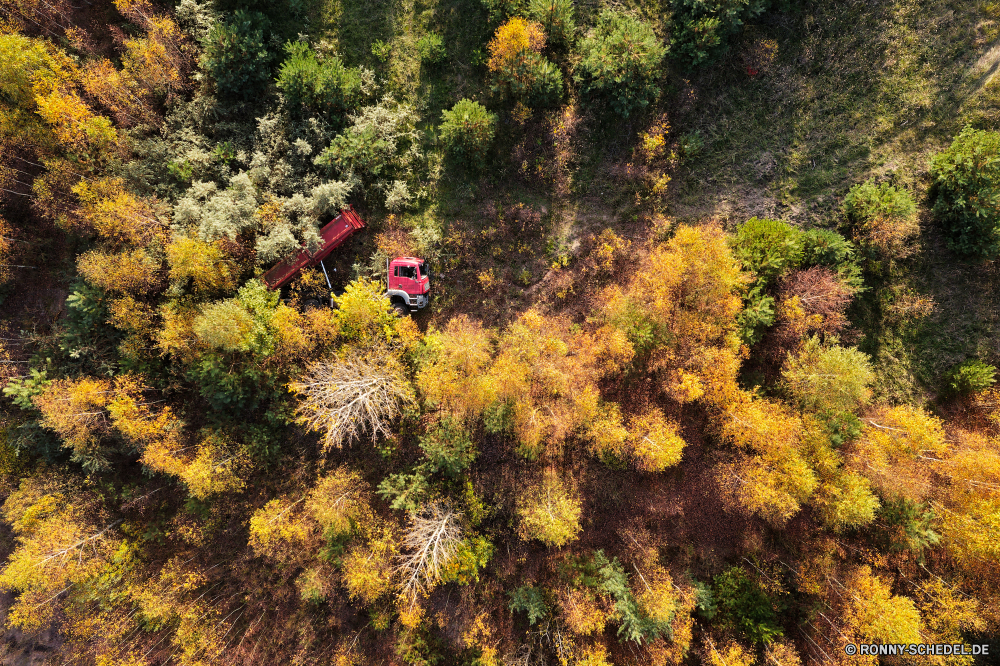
(409, 284)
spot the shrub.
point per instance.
(381, 147)
(467, 129)
(556, 17)
(768, 248)
(970, 376)
(882, 217)
(235, 55)
(702, 28)
(431, 49)
(322, 85)
(967, 189)
(621, 57)
(519, 66)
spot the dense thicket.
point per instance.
(615, 437)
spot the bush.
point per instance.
(823, 247)
(882, 217)
(431, 49)
(831, 379)
(322, 85)
(519, 66)
(768, 248)
(381, 148)
(556, 17)
(970, 376)
(467, 130)
(702, 28)
(967, 190)
(772, 249)
(235, 55)
(621, 58)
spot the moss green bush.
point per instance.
(883, 218)
(325, 85)
(467, 130)
(967, 192)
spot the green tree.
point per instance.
(967, 192)
(319, 84)
(970, 376)
(235, 55)
(467, 130)
(556, 17)
(620, 62)
(448, 447)
(744, 606)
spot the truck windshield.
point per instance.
(425, 269)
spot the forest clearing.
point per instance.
(499, 332)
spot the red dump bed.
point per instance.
(333, 234)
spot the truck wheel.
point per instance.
(310, 303)
(400, 309)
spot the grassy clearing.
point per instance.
(859, 90)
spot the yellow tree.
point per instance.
(894, 447)
(769, 477)
(513, 43)
(161, 60)
(655, 441)
(680, 313)
(77, 411)
(62, 542)
(118, 92)
(202, 265)
(544, 377)
(452, 372)
(550, 511)
(128, 272)
(116, 215)
(873, 613)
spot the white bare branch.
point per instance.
(429, 545)
(351, 397)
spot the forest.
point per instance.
(707, 374)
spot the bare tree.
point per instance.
(429, 545)
(351, 397)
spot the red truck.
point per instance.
(334, 234)
(407, 278)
